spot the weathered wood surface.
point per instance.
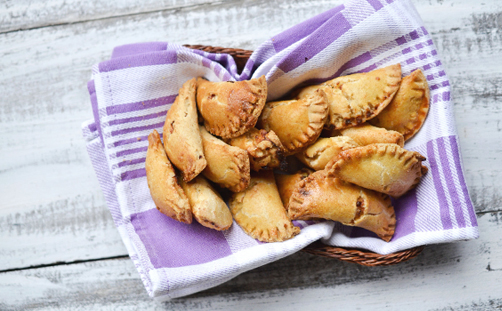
(53, 210)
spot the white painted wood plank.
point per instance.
(463, 275)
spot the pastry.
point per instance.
(287, 183)
(167, 195)
(385, 168)
(366, 134)
(230, 109)
(259, 211)
(317, 155)
(407, 111)
(355, 98)
(228, 166)
(298, 123)
(181, 133)
(264, 148)
(321, 196)
(208, 207)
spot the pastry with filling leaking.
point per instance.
(297, 123)
(317, 155)
(385, 168)
(407, 111)
(287, 183)
(259, 211)
(166, 193)
(356, 98)
(182, 140)
(264, 148)
(230, 109)
(228, 166)
(366, 134)
(321, 196)
(208, 207)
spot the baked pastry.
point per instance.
(230, 109)
(167, 195)
(264, 148)
(208, 207)
(181, 133)
(366, 134)
(355, 98)
(321, 196)
(298, 123)
(228, 166)
(287, 183)
(385, 168)
(317, 155)
(259, 211)
(407, 111)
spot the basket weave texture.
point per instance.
(362, 257)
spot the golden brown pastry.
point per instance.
(164, 189)
(355, 98)
(287, 183)
(230, 109)
(207, 205)
(321, 196)
(264, 148)
(385, 168)
(317, 155)
(181, 133)
(228, 166)
(407, 111)
(298, 123)
(366, 134)
(259, 210)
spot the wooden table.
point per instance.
(59, 248)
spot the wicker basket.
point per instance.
(362, 257)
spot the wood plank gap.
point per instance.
(64, 263)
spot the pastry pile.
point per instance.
(348, 132)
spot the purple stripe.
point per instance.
(135, 119)
(401, 40)
(414, 35)
(443, 204)
(181, 245)
(91, 87)
(406, 208)
(137, 129)
(131, 162)
(138, 48)
(133, 174)
(92, 127)
(149, 59)
(375, 4)
(455, 200)
(131, 140)
(463, 185)
(316, 42)
(131, 151)
(151, 103)
(302, 30)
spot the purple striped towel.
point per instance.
(131, 92)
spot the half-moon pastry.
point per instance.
(230, 109)
(317, 155)
(259, 211)
(287, 183)
(355, 98)
(208, 207)
(321, 196)
(167, 195)
(385, 168)
(228, 166)
(298, 123)
(264, 148)
(366, 134)
(407, 111)
(181, 133)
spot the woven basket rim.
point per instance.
(354, 255)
